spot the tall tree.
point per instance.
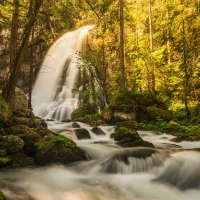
(9, 89)
(122, 67)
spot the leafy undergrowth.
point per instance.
(187, 127)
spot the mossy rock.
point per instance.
(125, 140)
(29, 137)
(4, 161)
(20, 159)
(43, 131)
(11, 144)
(40, 122)
(138, 143)
(82, 133)
(130, 124)
(22, 121)
(57, 149)
(123, 132)
(2, 196)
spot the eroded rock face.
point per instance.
(127, 135)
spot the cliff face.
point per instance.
(39, 51)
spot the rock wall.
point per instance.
(39, 50)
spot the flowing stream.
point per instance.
(168, 172)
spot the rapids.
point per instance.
(169, 172)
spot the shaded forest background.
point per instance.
(160, 46)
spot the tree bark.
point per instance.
(14, 30)
(122, 67)
(152, 74)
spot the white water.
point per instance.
(52, 93)
(169, 172)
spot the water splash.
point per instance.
(52, 93)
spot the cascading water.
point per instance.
(169, 172)
(52, 93)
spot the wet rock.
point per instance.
(112, 135)
(75, 125)
(181, 138)
(97, 131)
(127, 135)
(57, 149)
(82, 133)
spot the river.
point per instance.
(168, 172)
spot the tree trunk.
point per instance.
(122, 68)
(31, 73)
(14, 31)
(185, 72)
(9, 89)
(152, 75)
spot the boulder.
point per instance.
(57, 149)
(43, 131)
(40, 122)
(127, 135)
(29, 137)
(75, 125)
(82, 133)
(97, 131)
(11, 144)
(22, 121)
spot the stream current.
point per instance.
(171, 171)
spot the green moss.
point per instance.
(130, 124)
(57, 149)
(2, 196)
(4, 111)
(123, 132)
(4, 161)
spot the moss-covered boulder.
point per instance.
(127, 135)
(39, 122)
(43, 131)
(20, 159)
(29, 137)
(141, 106)
(11, 144)
(129, 124)
(82, 133)
(123, 132)
(2, 196)
(22, 121)
(57, 149)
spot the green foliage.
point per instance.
(2, 196)
(131, 101)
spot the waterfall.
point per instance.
(52, 93)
